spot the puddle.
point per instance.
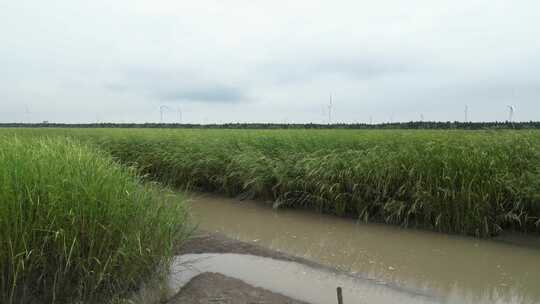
(292, 279)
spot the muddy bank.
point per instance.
(207, 242)
(212, 288)
(254, 274)
(217, 288)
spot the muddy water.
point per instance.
(454, 269)
(300, 282)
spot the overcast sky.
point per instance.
(268, 61)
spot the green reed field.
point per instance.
(467, 182)
(75, 226)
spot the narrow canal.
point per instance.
(455, 269)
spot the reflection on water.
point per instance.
(459, 269)
(291, 279)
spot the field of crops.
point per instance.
(467, 182)
(76, 226)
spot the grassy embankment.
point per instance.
(77, 227)
(468, 182)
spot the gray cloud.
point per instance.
(360, 67)
(173, 85)
(268, 60)
(215, 93)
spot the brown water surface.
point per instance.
(456, 269)
(294, 280)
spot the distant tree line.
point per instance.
(395, 125)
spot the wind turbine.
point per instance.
(466, 113)
(162, 110)
(27, 113)
(330, 105)
(179, 112)
(511, 110)
(323, 113)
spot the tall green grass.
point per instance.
(467, 182)
(75, 226)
